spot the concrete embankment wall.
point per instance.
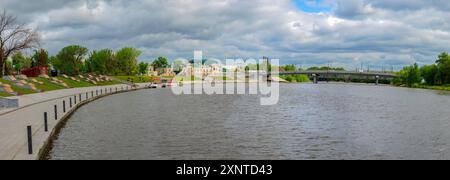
(13, 124)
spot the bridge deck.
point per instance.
(382, 75)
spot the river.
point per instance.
(324, 121)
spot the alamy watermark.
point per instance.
(234, 77)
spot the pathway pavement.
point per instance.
(14, 121)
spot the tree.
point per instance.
(127, 60)
(443, 64)
(102, 62)
(70, 60)
(160, 62)
(143, 68)
(40, 58)
(20, 61)
(290, 68)
(326, 68)
(14, 37)
(410, 75)
(429, 73)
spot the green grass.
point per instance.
(167, 77)
(440, 88)
(22, 91)
(17, 89)
(296, 78)
(47, 86)
(108, 83)
(136, 79)
(187, 78)
(75, 84)
(224, 78)
(2, 94)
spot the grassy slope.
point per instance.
(49, 86)
(17, 89)
(440, 88)
(75, 84)
(136, 79)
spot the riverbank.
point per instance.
(35, 110)
(438, 88)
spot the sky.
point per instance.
(344, 33)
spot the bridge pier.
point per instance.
(315, 80)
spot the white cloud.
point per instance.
(377, 32)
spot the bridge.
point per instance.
(348, 75)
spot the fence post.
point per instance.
(64, 106)
(56, 112)
(30, 140)
(70, 103)
(45, 122)
(79, 97)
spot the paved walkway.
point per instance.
(14, 122)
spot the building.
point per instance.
(202, 70)
(165, 72)
(35, 71)
(151, 71)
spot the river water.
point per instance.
(324, 121)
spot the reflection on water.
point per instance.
(325, 121)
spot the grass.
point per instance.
(296, 78)
(2, 94)
(22, 91)
(47, 86)
(187, 78)
(440, 88)
(17, 89)
(108, 83)
(75, 84)
(136, 79)
(224, 78)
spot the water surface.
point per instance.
(325, 121)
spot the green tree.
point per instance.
(40, 58)
(127, 60)
(70, 60)
(20, 61)
(326, 68)
(102, 62)
(410, 75)
(443, 64)
(143, 68)
(429, 73)
(160, 62)
(290, 68)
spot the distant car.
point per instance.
(164, 85)
(153, 86)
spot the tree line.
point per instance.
(71, 60)
(75, 59)
(434, 74)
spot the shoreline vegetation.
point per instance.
(433, 77)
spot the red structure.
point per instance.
(35, 71)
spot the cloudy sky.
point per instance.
(308, 32)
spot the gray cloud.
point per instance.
(378, 32)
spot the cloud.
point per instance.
(379, 32)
